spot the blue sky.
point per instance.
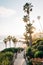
(11, 14)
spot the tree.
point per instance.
(9, 39)
(5, 41)
(27, 8)
(26, 18)
(14, 40)
(26, 37)
(29, 28)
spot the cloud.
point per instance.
(6, 12)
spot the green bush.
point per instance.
(10, 50)
(40, 47)
(41, 43)
(38, 40)
(38, 54)
(20, 49)
(29, 62)
(5, 61)
(6, 58)
(35, 46)
(34, 50)
(29, 52)
(14, 50)
(9, 55)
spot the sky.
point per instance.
(11, 16)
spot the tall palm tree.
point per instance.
(26, 18)
(9, 39)
(14, 40)
(5, 41)
(27, 8)
(26, 37)
(29, 28)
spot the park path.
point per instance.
(20, 59)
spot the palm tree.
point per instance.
(29, 28)
(27, 8)
(14, 40)
(5, 41)
(26, 18)
(26, 37)
(9, 39)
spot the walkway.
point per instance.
(20, 59)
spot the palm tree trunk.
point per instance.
(6, 45)
(30, 40)
(10, 44)
(15, 45)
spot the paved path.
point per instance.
(20, 59)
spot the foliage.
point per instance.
(14, 39)
(29, 27)
(41, 43)
(29, 62)
(40, 47)
(38, 40)
(36, 51)
(29, 52)
(34, 46)
(38, 54)
(14, 50)
(6, 56)
(20, 49)
(10, 50)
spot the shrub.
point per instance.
(29, 62)
(5, 61)
(38, 54)
(6, 58)
(40, 47)
(34, 51)
(38, 40)
(29, 52)
(35, 46)
(41, 43)
(20, 49)
(9, 55)
(14, 50)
